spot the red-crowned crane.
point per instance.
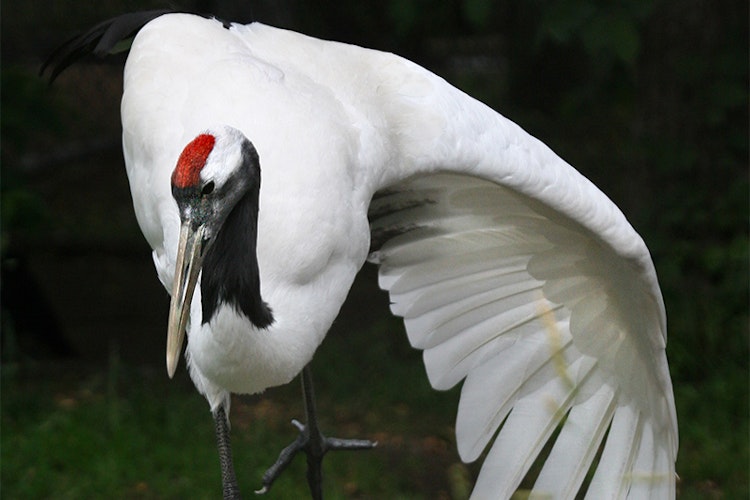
(512, 272)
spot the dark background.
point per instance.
(647, 98)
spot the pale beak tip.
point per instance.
(171, 365)
(185, 279)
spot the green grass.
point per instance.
(124, 432)
(714, 436)
(71, 431)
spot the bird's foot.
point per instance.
(315, 446)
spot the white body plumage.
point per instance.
(510, 269)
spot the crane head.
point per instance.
(216, 170)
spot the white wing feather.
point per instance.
(547, 325)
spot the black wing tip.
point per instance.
(99, 40)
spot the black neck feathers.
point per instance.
(230, 267)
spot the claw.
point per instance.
(312, 443)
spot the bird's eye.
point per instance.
(208, 188)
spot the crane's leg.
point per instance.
(231, 490)
(312, 442)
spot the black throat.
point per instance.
(230, 267)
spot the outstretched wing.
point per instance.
(516, 274)
(548, 326)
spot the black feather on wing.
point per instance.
(99, 40)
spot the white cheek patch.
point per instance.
(225, 157)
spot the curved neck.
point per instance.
(230, 267)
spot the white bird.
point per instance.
(512, 271)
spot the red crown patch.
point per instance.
(192, 160)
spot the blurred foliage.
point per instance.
(25, 99)
(609, 31)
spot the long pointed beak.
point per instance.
(189, 260)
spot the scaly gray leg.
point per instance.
(231, 490)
